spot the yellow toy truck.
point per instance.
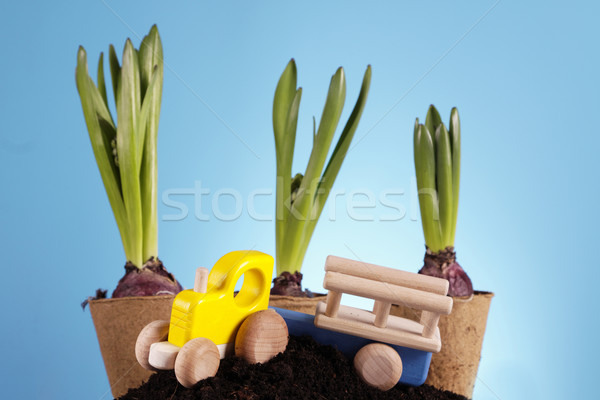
(212, 320)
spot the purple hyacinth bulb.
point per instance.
(152, 280)
(443, 265)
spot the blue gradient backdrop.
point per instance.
(523, 75)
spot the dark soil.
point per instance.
(306, 370)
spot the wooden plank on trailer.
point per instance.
(386, 292)
(384, 274)
(429, 321)
(399, 331)
(382, 314)
(333, 303)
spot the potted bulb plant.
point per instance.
(437, 165)
(300, 199)
(125, 151)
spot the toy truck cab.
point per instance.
(215, 312)
(211, 320)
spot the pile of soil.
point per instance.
(306, 370)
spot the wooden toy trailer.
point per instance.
(406, 355)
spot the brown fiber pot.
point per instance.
(454, 368)
(118, 323)
(307, 305)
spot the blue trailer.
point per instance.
(350, 329)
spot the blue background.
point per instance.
(523, 75)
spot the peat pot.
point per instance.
(118, 323)
(454, 368)
(307, 305)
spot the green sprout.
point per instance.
(300, 200)
(125, 148)
(437, 165)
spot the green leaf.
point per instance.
(128, 106)
(329, 119)
(115, 71)
(145, 115)
(286, 167)
(455, 142)
(149, 169)
(101, 130)
(444, 182)
(432, 121)
(150, 56)
(107, 127)
(284, 95)
(151, 77)
(101, 84)
(291, 124)
(428, 200)
(284, 170)
(286, 103)
(339, 153)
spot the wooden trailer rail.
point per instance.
(386, 286)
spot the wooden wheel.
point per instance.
(154, 332)
(198, 359)
(261, 337)
(379, 365)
